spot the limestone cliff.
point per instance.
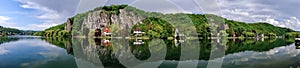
(68, 25)
(100, 19)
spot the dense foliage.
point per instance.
(155, 27)
(56, 31)
(248, 29)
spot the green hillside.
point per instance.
(55, 31)
(236, 29)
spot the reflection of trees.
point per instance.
(140, 51)
(94, 51)
(250, 45)
(4, 39)
(61, 42)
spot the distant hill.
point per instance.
(121, 15)
(13, 31)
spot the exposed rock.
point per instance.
(68, 26)
(101, 18)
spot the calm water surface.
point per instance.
(37, 52)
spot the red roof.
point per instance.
(107, 30)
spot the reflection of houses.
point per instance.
(106, 42)
(259, 35)
(138, 42)
(102, 42)
(138, 32)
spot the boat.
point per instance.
(297, 41)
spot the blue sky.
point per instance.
(35, 14)
(41, 14)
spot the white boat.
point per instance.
(297, 41)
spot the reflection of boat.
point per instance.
(138, 42)
(179, 38)
(297, 41)
(106, 42)
(297, 47)
(177, 42)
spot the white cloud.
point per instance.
(50, 12)
(3, 18)
(4, 21)
(270, 11)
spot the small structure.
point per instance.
(179, 38)
(97, 33)
(106, 32)
(138, 32)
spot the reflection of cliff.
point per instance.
(93, 51)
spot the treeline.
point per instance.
(55, 31)
(12, 31)
(239, 29)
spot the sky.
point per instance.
(40, 14)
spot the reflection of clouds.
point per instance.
(276, 55)
(40, 52)
(49, 53)
(3, 51)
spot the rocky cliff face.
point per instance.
(68, 26)
(101, 18)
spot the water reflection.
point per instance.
(98, 53)
(33, 52)
(5, 40)
(115, 52)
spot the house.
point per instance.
(106, 32)
(138, 32)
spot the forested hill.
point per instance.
(12, 31)
(242, 28)
(121, 15)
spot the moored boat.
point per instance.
(297, 41)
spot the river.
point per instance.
(38, 52)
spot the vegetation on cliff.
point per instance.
(55, 31)
(161, 25)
